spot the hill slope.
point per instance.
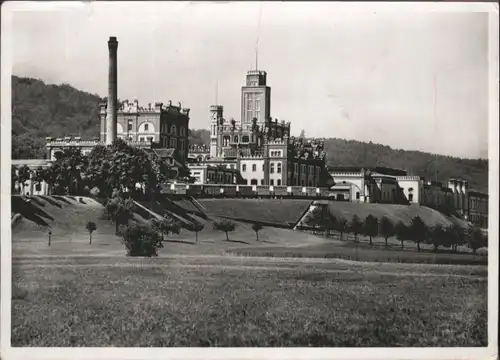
(40, 110)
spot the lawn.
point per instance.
(284, 212)
(245, 302)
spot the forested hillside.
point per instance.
(40, 110)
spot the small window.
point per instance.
(357, 195)
(272, 168)
(279, 182)
(245, 139)
(271, 182)
(244, 167)
(410, 197)
(38, 187)
(262, 181)
(146, 127)
(129, 127)
(141, 139)
(279, 168)
(254, 167)
(262, 167)
(253, 182)
(183, 131)
(173, 130)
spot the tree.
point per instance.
(119, 210)
(140, 240)
(436, 236)
(455, 236)
(475, 238)
(165, 226)
(386, 228)
(417, 231)
(257, 227)
(370, 227)
(401, 231)
(341, 225)
(197, 227)
(91, 227)
(356, 227)
(225, 226)
(23, 175)
(328, 221)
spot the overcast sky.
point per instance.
(411, 80)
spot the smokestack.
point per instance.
(111, 116)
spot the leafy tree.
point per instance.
(119, 210)
(225, 226)
(23, 175)
(257, 227)
(91, 227)
(370, 227)
(476, 239)
(436, 236)
(342, 226)
(66, 173)
(165, 226)
(402, 232)
(454, 236)
(140, 240)
(386, 228)
(417, 231)
(196, 227)
(356, 227)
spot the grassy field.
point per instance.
(201, 294)
(237, 302)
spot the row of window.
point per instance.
(173, 128)
(172, 143)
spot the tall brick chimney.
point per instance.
(111, 116)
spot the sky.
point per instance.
(415, 80)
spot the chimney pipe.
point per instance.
(111, 116)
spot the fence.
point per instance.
(247, 191)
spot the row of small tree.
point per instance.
(417, 231)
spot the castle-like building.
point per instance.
(156, 127)
(261, 148)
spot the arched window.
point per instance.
(173, 130)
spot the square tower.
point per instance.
(255, 98)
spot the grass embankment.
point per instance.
(246, 302)
(284, 212)
(394, 213)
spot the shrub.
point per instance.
(225, 226)
(140, 240)
(476, 239)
